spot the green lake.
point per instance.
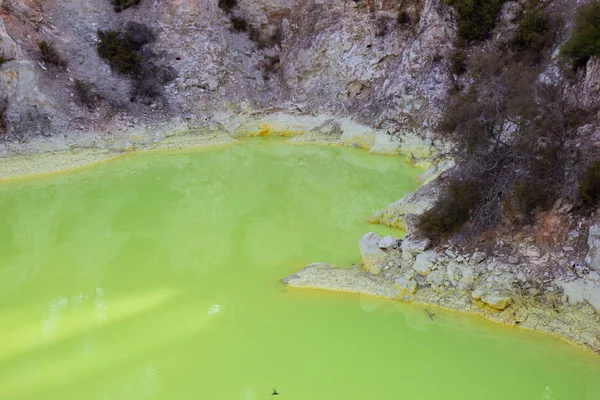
(158, 276)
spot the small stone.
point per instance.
(424, 262)
(460, 259)
(372, 255)
(568, 248)
(478, 257)
(388, 242)
(513, 260)
(406, 286)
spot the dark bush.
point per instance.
(270, 65)
(264, 41)
(120, 54)
(589, 185)
(452, 211)
(86, 94)
(403, 17)
(138, 35)
(120, 5)
(239, 24)
(476, 18)
(3, 107)
(534, 34)
(458, 62)
(50, 56)
(227, 5)
(585, 37)
(4, 59)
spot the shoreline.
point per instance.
(46, 156)
(574, 324)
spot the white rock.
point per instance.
(424, 262)
(513, 259)
(492, 298)
(593, 256)
(406, 286)
(411, 246)
(372, 256)
(478, 257)
(388, 242)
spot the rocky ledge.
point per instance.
(499, 288)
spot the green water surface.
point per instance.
(157, 276)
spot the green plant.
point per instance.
(120, 53)
(227, 5)
(452, 211)
(585, 37)
(589, 185)
(86, 94)
(239, 24)
(4, 60)
(403, 17)
(3, 107)
(476, 18)
(533, 35)
(50, 56)
(120, 5)
(458, 62)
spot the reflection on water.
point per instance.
(158, 277)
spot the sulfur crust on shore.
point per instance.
(573, 324)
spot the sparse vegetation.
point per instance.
(458, 62)
(86, 94)
(589, 185)
(403, 17)
(511, 135)
(125, 54)
(121, 55)
(227, 5)
(50, 56)
(585, 37)
(4, 60)
(120, 5)
(535, 33)
(3, 107)
(239, 24)
(476, 18)
(453, 211)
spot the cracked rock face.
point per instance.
(593, 256)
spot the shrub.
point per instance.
(120, 5)
(50, 56)
(4, 60)
(239, 24)
(3, 107)
(270, 65)
(121, 55)
(533, 35)
(227, 5)
(458, 62)
(86, 94)
(452, 211)
(265, 41)
(403, 17)
(476, 18)
(589, 185)
(585, 37)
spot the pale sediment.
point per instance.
(79, 149)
